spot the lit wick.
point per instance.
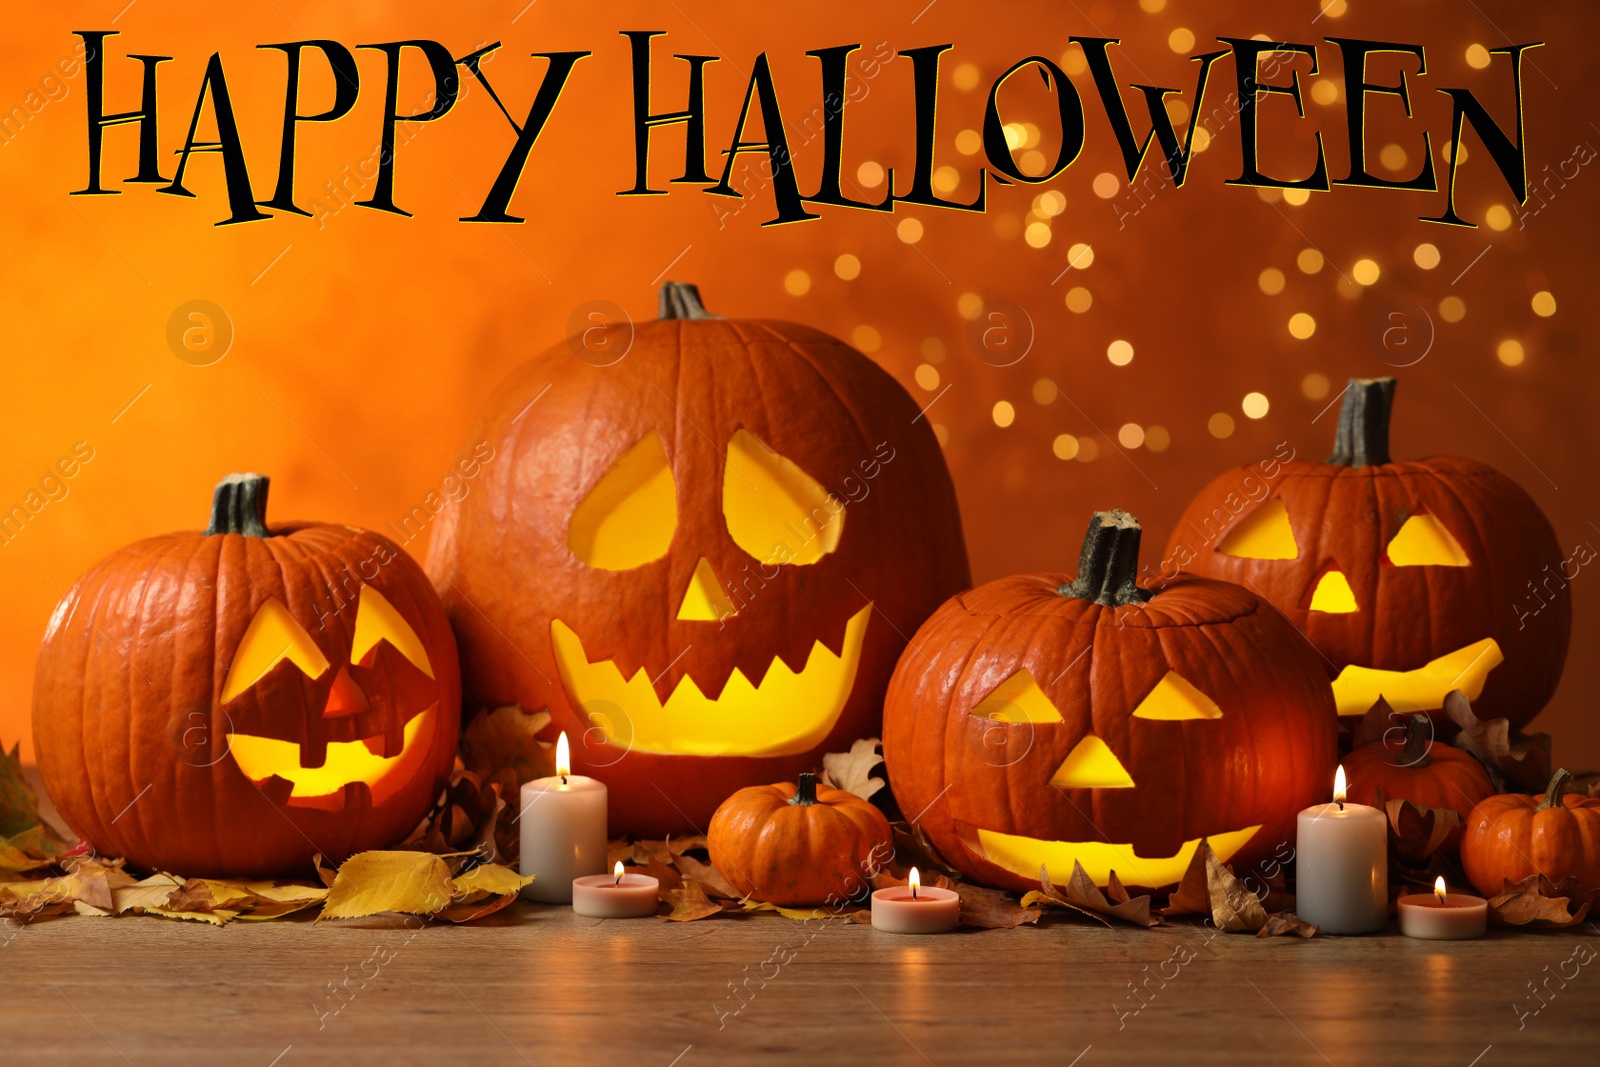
(563, 757)
(916, 880)
(617, 870)
(1339, 787)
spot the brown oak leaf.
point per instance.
(1287, 922)
(707, 875)
(507, 738)
(1536, 900)
(1520, 764)
(992, 909)
(852, 771)
(690, 902)
(1083, 896)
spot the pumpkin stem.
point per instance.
(681, 300)
(1419, 739)
(1362, 439)
(1554, 791)
(805, 794)
(240, 506)
(1109, 561)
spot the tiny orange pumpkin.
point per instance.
(797, 845)
(1513, 835)
(1417, 768)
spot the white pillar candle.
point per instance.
(915, 909)
(563, 821)
(1342, 865)
(1442, 916)
(617, 895)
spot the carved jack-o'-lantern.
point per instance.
(1039, 721)
(234, 701)
(1413, 578)
(703, 557)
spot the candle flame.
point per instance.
(914, 881)
(563, 756)
(1339, 786)
(1438, 888)
(617, 870)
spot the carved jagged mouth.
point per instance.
(359, 766)
(1422, 689)
(788, 712)
(1025, 855)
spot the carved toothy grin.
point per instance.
(348, 763)
(1024, 856)
(788, 712)
(1422, 689)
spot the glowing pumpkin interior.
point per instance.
(1091, 764)
(775, 512)
(272, 637)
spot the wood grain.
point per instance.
(539, 985)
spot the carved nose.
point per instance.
(1333, 594)
(704, 600)
(1091, 765)
(345, 698)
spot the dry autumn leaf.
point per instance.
(1234, 909)
(689, 902)
(992, 909)
(1520, 765)
(507, 737)
(491, 878)
(19, 811)
(1287, 922)
(367, 883)
(707, 875)
(852, 771)
(1536, 900)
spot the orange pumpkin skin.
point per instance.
(1344, 514)
(135, 744)
(798, 845)
(504, 566)
(1415, 768)
(1512, 835)
(1270, 754)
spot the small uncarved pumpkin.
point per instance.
(1513, 835)
(797, 845)
(1412, 766)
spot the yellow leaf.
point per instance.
(217, 917)
(151, 892)
(284, 894)
(490, 878)
(787, 913)
(371, 882)
(263, 912)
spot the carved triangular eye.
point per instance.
(628, 518)
(1173, 698)
(377, 620)
(272, 636)
(1091, 765)
(775, 511)
(1422, 541)
(1265, 533)
(1018, 699)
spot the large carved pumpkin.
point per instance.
(1041, 720)
(703, 557)
(230, 703)
(1413, 578)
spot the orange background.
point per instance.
(364, 342)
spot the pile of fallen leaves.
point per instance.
(42, 874)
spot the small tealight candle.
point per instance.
(915, 909)
(1442, 916)
(563, 820)
(616, 895)
(1342, 865)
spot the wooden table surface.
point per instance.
(538, 985)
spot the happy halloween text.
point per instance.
(1258, 75)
